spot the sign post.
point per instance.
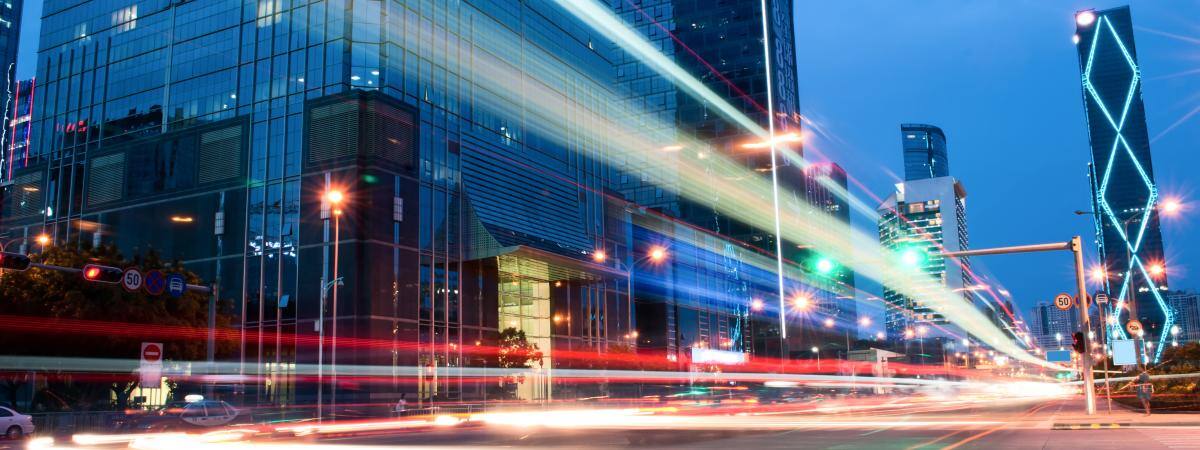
(150, 370)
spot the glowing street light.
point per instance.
(756, 305)
(801, 302)
(789, 137)
(864, 321)
(922, 330)
(1099, 274)
(335, 197)
(829, 322)
(1085, 18)
(43, 239)
(1170, 206)
(1157, 270)
(909, 333)
(879, 335)
(657, 254)
(599, 256)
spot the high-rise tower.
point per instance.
(1124, 194)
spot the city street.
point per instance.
(1027, 426)
(691, 224)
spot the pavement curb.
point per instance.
(1117, 425)
(1091, 426)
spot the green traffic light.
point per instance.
(824, 266)
(912, 257)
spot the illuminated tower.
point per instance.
(1124, 194)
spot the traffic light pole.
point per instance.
(1075, 246)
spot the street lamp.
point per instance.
(801, 302)
(816, 351)
(331, 202)
(864, 321)
(756, 305)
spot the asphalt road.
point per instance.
(940, 425)
(1023, 426)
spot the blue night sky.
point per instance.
(1002, 79)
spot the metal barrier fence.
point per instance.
(75, 422)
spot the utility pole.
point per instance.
(1075, 246)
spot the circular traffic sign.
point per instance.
(155, 282)
(152, 353)
(1134, 327)
(132, 280)
(1063, 301)
(176, 285)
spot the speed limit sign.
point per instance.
(132, 279)
(1063, 301)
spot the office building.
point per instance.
(470, 206)
(10, 36)
(1052, 327)
(924, 152)
(818, 177)
(1124, 193)
(721, 46)
(1185, 305)
(18, 132)
(921, 219)
(209, 131)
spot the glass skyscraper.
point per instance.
(476, 143)
(924, 151)
(10, 34)
(1124, 194)
(207, 131)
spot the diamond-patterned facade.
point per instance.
(1111, 79)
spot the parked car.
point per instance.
(182, 415)
(15, 424)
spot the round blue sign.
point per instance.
(176, 285)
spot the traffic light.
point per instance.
(1077, 342)
(102, 274)
(824, 265)
(14, 261)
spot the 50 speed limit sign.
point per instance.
(132, 279)
(1063, 301)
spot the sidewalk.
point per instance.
(1071, 415)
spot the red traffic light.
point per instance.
(102, 274)
(14, 261)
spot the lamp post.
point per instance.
(816, 351)
(656, 254)
(331, 202)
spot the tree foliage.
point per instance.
(515, 350)
(49, 297)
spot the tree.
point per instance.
(47, 301)
(516, 351)
(513, 351)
